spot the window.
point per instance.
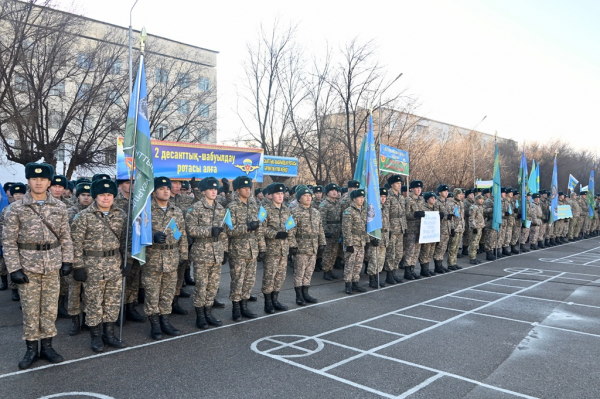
(55, 119)
(110, 156)
(61, 153)
(203, 110)
(184, 134)
(160, 104)
(204, 84)
(183, 80)
(114, 67)
(114, 97)
(84, 91)
(85, 61)
(184, 107)
(205, 136)
(162, 75)
(58, 89)
(21, 83)
(160, 132)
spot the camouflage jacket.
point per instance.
(74, 210)
(293, 204)
(345, 201)
(23, 226)
(275, 223)
(200, 219)
(93, 232)
(309, 230)
(575, 208)
(445, 207)
(507, 206)
(331, 217)
(414, 204)
(467, 206)
(244, 244)
(583, 207)
(163, 259)
(458, 223)
(316, 203)
(385, 223)
(476, 220)
(2, 216)
(183, 201)
(545, 205)
(354, 226)
(535, 212)
(397, 214)
(488, 211)
(122, 203)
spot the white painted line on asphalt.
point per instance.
(490, 292)
(469, 299)
(444, 307)
(381, 330)
(505, 285)
(557, 301)
(422, 385)
(415, 317)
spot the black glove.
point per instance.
(450, 216)
(350, 249)
(193, 183)
(282, 235)
(391, 235)
(261, 256)
(452, 232)
(328, 235)
(80, 274)
(253, 225)
(475, 231)
(225, 185)
(126, 269)
(19, 277)
(419, 214)
(506, 214)
(225, 257)
(216, 231)
(160, 237)
(367, 245)
(293, 251)
(374, 242)
(66, 269)
(442, 215)
(519, 215)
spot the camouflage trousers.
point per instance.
(160, 291)
(573, 227)
(543, 231)
(394, 251)
(184, 264)
(466, 238)
(304, 266)
(534, 233)
(411, 254)
(426, 253)
(243, 276)
(441, 247)
(490, 239)
(74, 297)
(550, 231)
(330, 253)
(353, 264)
(502, 234)
(580, 226)
(453, 245)
(208, 278)
(516, 232)
(4, 272)
(587, 223)
(64, 286)
(474, 244)
(39, 300)
(563, 227)
(274, 271)
(525, 234)
(377, 258)
(132, 283)
(102, 300)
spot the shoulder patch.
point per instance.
(347, 212)
(190, 209)
(76, 216)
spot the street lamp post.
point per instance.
(473, 144)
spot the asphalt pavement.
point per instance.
(523, 326)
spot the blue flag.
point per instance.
(533, 180)
(262, 214)
(227, 219)
(173, 226)
(591, 194)
(4, 200)
(290, 223)
(523, 183)
(573, 182)
(456, 211)
(554, 194)
(497, 218)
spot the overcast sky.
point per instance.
(531, 66)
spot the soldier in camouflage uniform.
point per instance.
(489, 233)
(561, 226)
(37, 255)
(205, 225)
(504, 227)
(57, 188)
(280, 240)
(525, 231)
(246, 246)
(535, 211)
(99, 233)
(509, 220)
(445, 206)
(543, 241)
(17, 191)
(427, 251)
(331, 217)
(468, 202)
(575, 223)
(415, 210)
(397, 218)
(346, 199)
(515, 234)
(318, 197)
(458, 225)
(583, 216)
(476, 225)
(378, 249)
(354, 233)
(310, 242)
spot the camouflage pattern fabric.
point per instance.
(160, 291)
(39, 300)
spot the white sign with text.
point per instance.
(430, 228)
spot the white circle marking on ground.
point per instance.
(282, 345)
(89, 394)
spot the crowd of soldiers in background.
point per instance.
(65, 253)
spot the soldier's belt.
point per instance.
(39, 247)
(306, 236)
(208, 239)
(101, 254)
(333, 221)
(162, 246)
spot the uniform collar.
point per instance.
(28, 199)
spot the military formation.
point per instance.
(65, 249)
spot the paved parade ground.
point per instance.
(524, 326)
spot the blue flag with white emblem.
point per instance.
(262, 214)
(368, 176)
(290, 223)
(173, 226)
(227, 220)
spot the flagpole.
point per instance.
(377, 247)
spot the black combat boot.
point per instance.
(533, 247)
(465, 251)
(217, 304)
(184, 294)
(499, 253)
(553, 242)
(451, 268)
(155, 331)
(373, 282)
(358, 288)
(425, 270)
(141, 296)
(415, 275)
(245, 311)
(201, 318)
(307, 297)
(506, 251)
(47, 351)
(330, 276)
(407, 274)
(299, 297)
(381, 281)
(397, 279)
(62, 310)
(210, 319)
(166, 326)
(15, 295)
(178, 309)
(389, 278)
(84, 327)
(108, 336)
(523, 248)
(514, 249)
(236, 314)
(97, 344)
(319, 265)
(75, 326)
(30, 356)
(269, 304)
(349, 288)
(4, 283)
(438, 266)
(276, 304)
(546, 243)
(187, 276)
(131, 314)
(566, 240)
(541, 244)
(473, 262)
(489, 255)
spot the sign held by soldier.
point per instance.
(430, 228)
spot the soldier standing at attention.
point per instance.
(378, 248)
(458, 226)
(17, 191)
(476, 224)
(354, 233)
(310, 241)
(246, 246)
(415, 210)
(515, 235)
(99, 245)
(318, 197)
(445, 207)
(489, 233)
(331, 217)
(427, 250)
(346, 199)
(469, 200)
(159, 274)
(535, 211)
(397, 218)
(204, 223)
(38, 250)
(279, 241)
(57, 188)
